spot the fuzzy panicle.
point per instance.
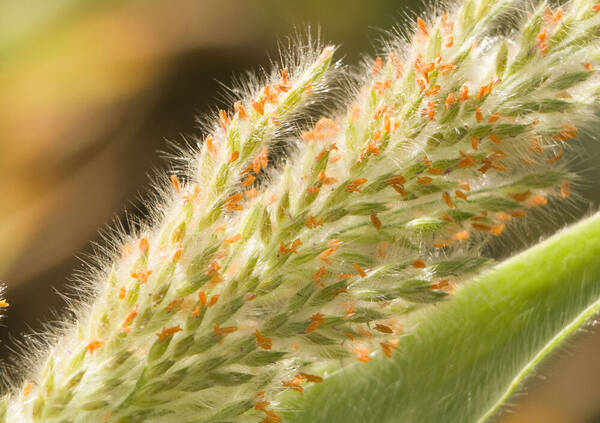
(249, 286)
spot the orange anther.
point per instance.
(541, 38)
(419, 264)
(568, 132)
(565, 189)
(449, 100)
(448, 67)
(504, 216)
(94, 345)
(447, 217)
(144, 245)
(223, 330)
(202, 298)
(377, 66)
(431, 110)
(355, 184)
(125, 250)
(224, 119)
(251, 193)
(450, 41)
(439, 285)
(141, 275)
(311, 378)
(460, 194)
(424, 180)
(461, 236)
(521, 196)
(464, 93)
(587, 66)
(263, 342)
(485, 90)
(493, 118)
(518, 213)
(537, 200)
(360, 270)
(375, 221)
(261, 160)
(166, 332)
(325, 180)
(177, 253)
(383, 328)
(362, 355)
(396, 180)
(173, 305)
(248, 181)
(387, 348)
(175, 183)
(313, 189)
(27, 389)
(422, 27)
(232, 202)
(495, 139)
(324, 256)
(313, 223)
(239, 110)
(557, 16)
(234, 156)
(317, 319)
(284, 75)
(466, 160)
(233, 239)
(554, 158)
(350, 335)
(270, 96)
(481, 227)
(354, 112)
(498, 229)
(448, 200)
(210, 145)
(258, 107)
(292, 384)
(478, 114)
(319, 273)
(398, 65)
(433, 90)
(130, 316)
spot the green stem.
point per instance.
(462, 359)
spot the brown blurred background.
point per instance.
(90, 92)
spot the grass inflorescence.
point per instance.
(266, 265)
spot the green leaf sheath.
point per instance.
(468, 355)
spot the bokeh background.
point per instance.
(92, 91)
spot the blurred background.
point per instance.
(90, 93)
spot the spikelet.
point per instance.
(243, 290)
